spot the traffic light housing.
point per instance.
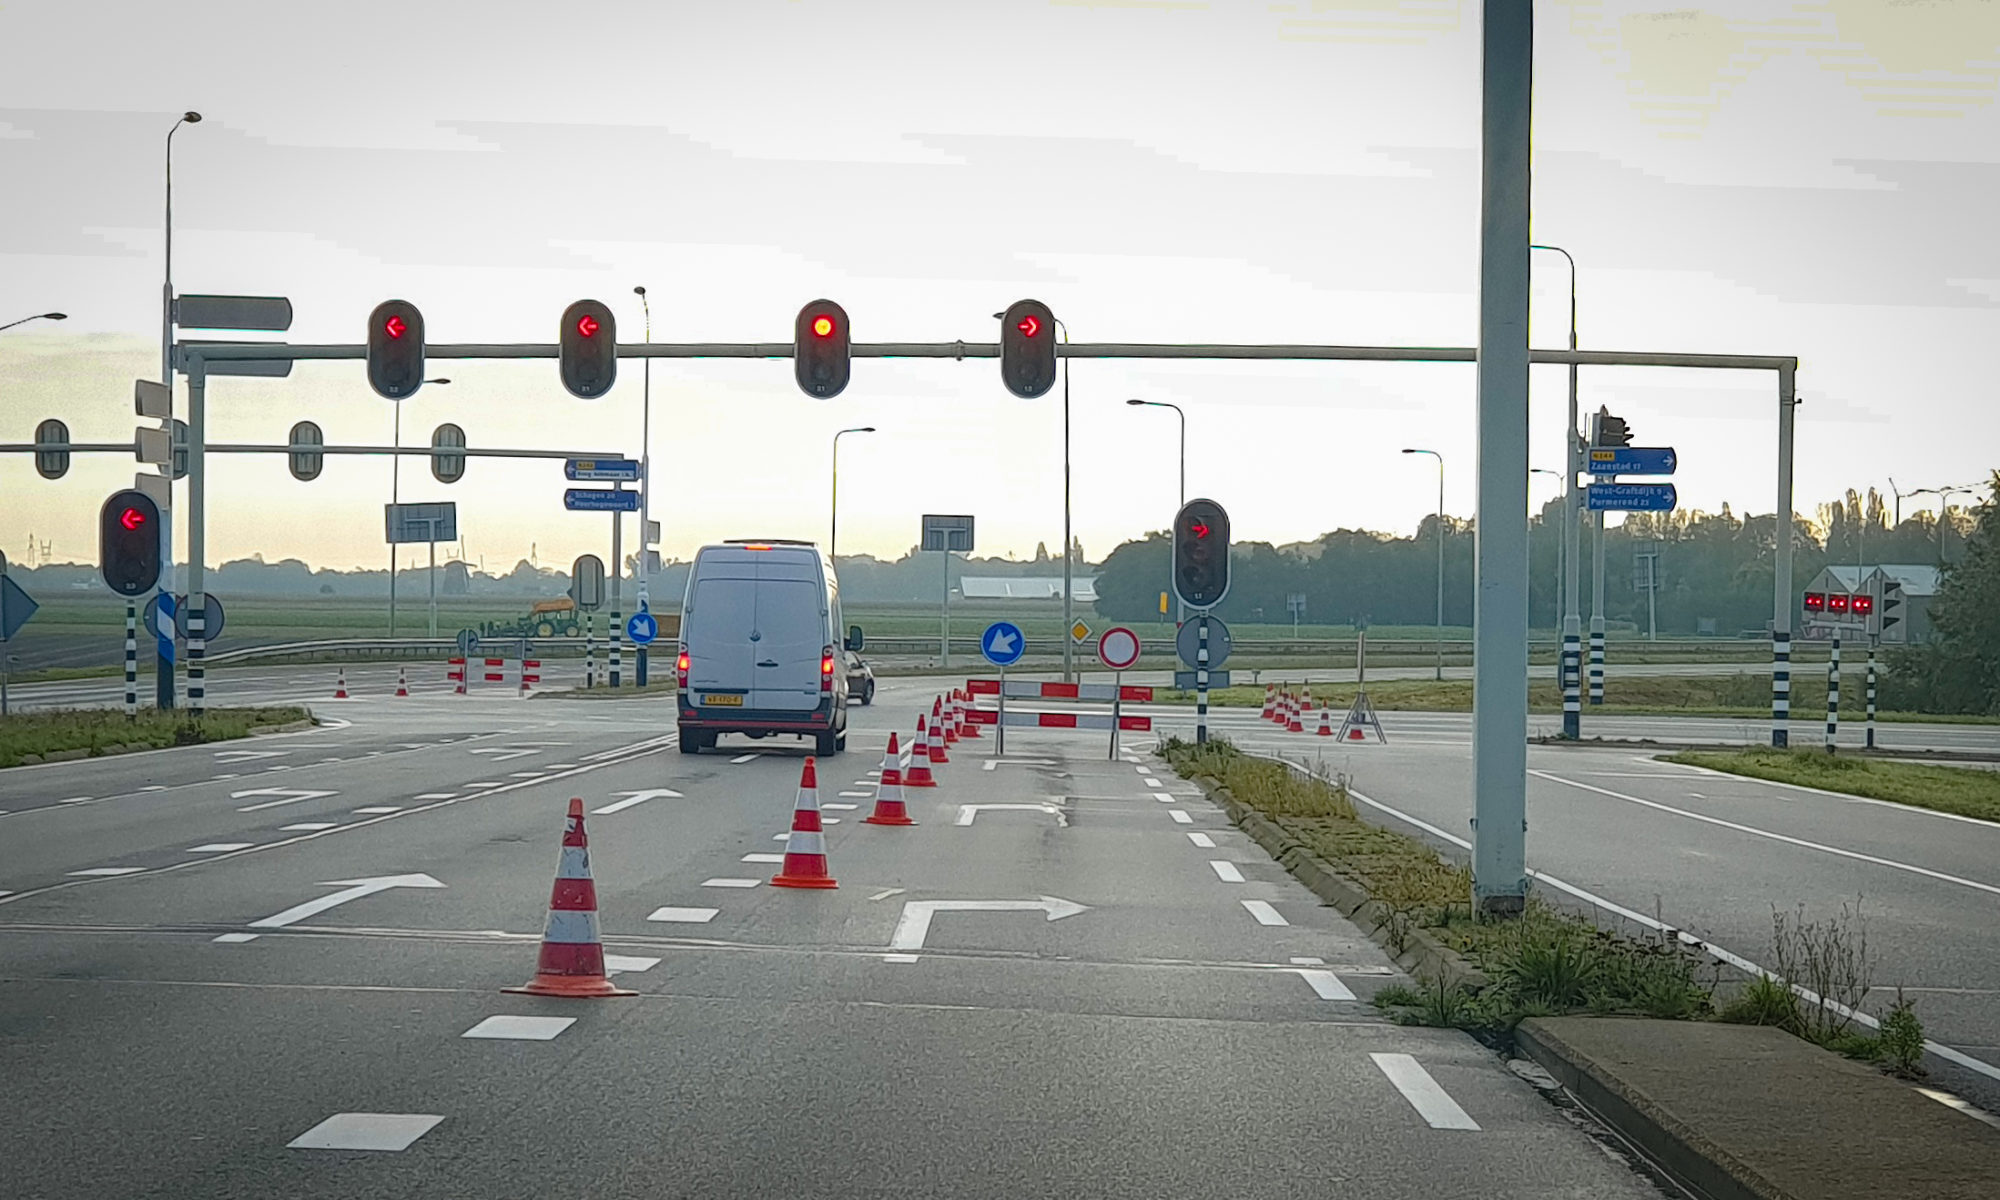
(1028, 348)
(588, 349)
(395, 349)
(1861, 605)
(128, 543)
(1201, 554)
(1815, 602)
(1836, 603)
(1612, 431)
(821, 348)
(1891, 608)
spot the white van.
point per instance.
(760, 648)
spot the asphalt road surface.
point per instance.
(275, 967)
(1716, 855)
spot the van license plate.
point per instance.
(723, 701)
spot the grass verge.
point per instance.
(105, 731)
(1968, 793)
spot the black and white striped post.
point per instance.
(1833, 697)
(1781, 687)
(1869, 741)
(197, 654)
(1201, 679)
(1597, 657)
(1572, 685)
(589, 650)
(131, 659)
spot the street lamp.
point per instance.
(1181, 609)
(163, 672)
(395, 497)
(833, 525)
(37, 317)
(1069, 615)
(1571, 658)
(1440, 525)
(1944, 513)
(645, 474)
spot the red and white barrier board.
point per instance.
(1029, 690)
(1052, 720)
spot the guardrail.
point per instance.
(366, 648)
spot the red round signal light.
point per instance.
(587, 325)
(132, 518)
(1029, 326)
(822, 326)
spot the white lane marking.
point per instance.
(689, 916)
(1752, 830)
(856, 795)
(1180, 816)
(500, 754)
(1327, 984)
(285, 796)
(614, 963)
(1697, 796)
(885, 893)
(1145, 770)
(762, 858)
(365, 1131)
(1437, 1108)
(236, 939)
(632, 798)
(989, 764)
(520, 1029)
(840, 807)
(1970, 1110)
(81, 799)
(526, 775)
(731, 883)
(109, 871)
(1265, 914)
(1163, 797)
(218, 847)
(563, 767)
(438, 796)
(307, 827)
(223, 776)
(237, 756)
(378, 809)
(829, 820)
(915, 924)
(6, 893)
(350, 889)
(1225, 871)
(1201, 839)
(780, 837)
(967, 812)
(1308, 961)
(154, 787)
(901, 958)
(744, 758)
(486, 783)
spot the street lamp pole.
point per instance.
(395, 498)
(645, 476)
(833, 522)
(48, 316)
(1183, 492)
(1440, 541)
(163, 667)
(1571, 658)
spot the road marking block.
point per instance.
(744, 758)
(154, 787)
(308, 827)
(1180, 816)
(915, 924)
(109, 871)
(731, 883)
(438, 796)
(853, 796)
(632, 798)
(885, 893)
(901, 958)
(284, 796)
(1327, 984)
(1225, 871)
(1265, 914)
(840, 807)
(378, 809)
(686, 916)
(520, 1029)
(614, 963)
(1163, 797)
(365, 1131)
(526, 775)
(351, 889)
(966, 812)
(762, 858)
(486, 783)
(232, 939)
(1308, 961)
(219, 847)
(781, 837)
(1432, 1103)
(1203, 840)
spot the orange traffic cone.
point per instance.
(805, 850)
(402, 681)
(1354, 734)
(1270, 701)
(340, 683)
(1325, 722)
(941, 718)
(889, 808)
(920, 759)
(939, 735)
(1294, 724)
(968, 729)
(572, 959)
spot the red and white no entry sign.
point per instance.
(1118, 648)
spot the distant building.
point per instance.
(1032, 587)
(1838, 585)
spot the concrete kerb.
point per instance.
(1421, 955)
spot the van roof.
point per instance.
(766, 542)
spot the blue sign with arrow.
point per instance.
(1631, 497)
(1631, 460)
(642, 628)
(600, 500)
(1003, 644)
(600, 468)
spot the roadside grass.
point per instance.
(98, 730)
(1958, 790)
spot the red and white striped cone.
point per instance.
(889, 808)
(1325, 723)
(402, 681)
(968, 729)
(942, 718)
(572, 959)
(939, 735)
(1295, 725)
(805, 849)
(340, 683)
(1354, 734)
(1270, 701)
(1306, 701)
(920, 759)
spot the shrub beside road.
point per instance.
(1966, 792)
(88, 733)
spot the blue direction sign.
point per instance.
(1631, 497)
(600, 500)
(1003, 644)
(642, 628)
(1632, 460)
(601, 469)
(16, 606)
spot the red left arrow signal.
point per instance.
(132, 518)
(395, 327)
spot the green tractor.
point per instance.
(545, 619)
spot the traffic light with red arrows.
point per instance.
(1201, 554)
(395, 349)
(587, 349)
(1028, 348)
(128, 543)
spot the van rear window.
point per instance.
(722, 609)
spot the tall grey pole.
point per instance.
(163, 666)
(617, 591)
(1781, 591)
(1500, 609)
(1571, 659)
(1597, 609)
(434, 580)
(645, 479)
(833, 501)
(197, 601)
(395, 498)
(1069, 611)
(944, 610)
(1440, 580)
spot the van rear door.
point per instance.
(718, 631)
(791, 631)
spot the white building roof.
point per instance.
(1032, 587)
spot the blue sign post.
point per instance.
(642, 628)
(1003, 644)
(605, 469)
(1630, 497)
(600, 500)
(1631, 460)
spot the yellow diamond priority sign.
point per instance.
(1079, 631)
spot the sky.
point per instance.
(1796, 178)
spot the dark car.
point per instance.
(860, 679)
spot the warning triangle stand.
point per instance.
(1360, 718)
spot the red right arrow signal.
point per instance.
(1200, 529)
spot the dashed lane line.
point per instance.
(1265, 914)
(744, 758)
(1225, 870)
(1326, 983)
(1203, 840)
(1431, 1101)
(1180, 816)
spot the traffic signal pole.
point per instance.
(1782, 539)
(197, 602)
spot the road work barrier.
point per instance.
(1003, 690)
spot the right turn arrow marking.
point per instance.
(915, 925)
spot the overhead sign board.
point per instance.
(604, 469)
(270, 368)
(151, 398)
(1630, 497)
(1003, 644)
(421, 522)
(600, 500)
(273, 313)
(952, 533)
(1632, 460)
(586, 582)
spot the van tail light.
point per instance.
(826, 668)
(681, 671)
